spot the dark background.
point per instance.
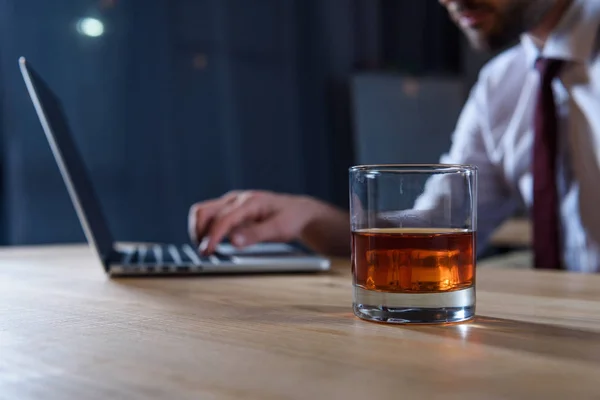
(183, 100)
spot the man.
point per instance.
(531, 125)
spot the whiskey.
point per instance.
(412, 260)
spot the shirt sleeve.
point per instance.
(495, 200)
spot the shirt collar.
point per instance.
(574, 37)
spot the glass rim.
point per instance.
(414, 168)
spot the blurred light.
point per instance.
(460, 314)
(90, 27)
(463, 330)
(200, 61)
(411, 87)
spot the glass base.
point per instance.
(414, 308)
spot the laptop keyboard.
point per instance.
(160, 255)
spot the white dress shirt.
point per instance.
(495, 133)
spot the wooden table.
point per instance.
(69, 332)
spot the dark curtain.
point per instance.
(182, 100)
(3, 188)
(419, 38)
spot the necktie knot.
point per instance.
(549, 68)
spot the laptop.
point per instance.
(147, 259)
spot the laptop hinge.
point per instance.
(113, 257)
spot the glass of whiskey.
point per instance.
(413, 242)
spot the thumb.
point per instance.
(267, 230)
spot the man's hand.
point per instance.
(250, 217)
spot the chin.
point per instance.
(478, 41)
(488, 42)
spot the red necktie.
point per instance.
(546, 222)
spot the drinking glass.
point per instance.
(413, 242)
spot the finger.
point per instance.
(268, 230)
(226, 222)
(199, 217)
(201, 214)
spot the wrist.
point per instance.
(314, 210)
(324, 223)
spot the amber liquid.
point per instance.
(406, 260)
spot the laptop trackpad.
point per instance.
(260, 249)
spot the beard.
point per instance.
(504, 23)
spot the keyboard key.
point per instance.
(167, 258)
(128, 257)
(174, 251)
(158, 253)
(191, 254)
(142, 253)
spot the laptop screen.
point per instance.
(70, 163)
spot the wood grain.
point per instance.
(69, 332)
